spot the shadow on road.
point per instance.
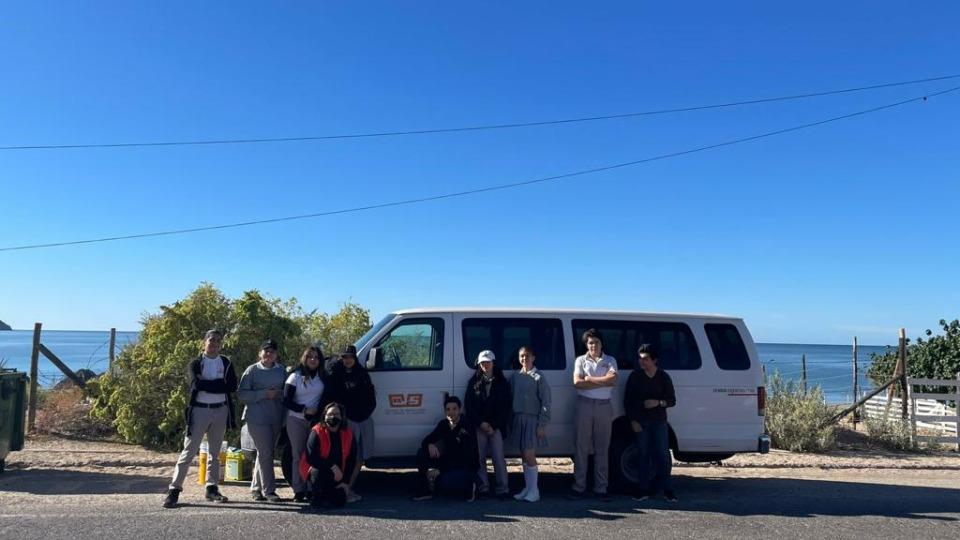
(386, 496)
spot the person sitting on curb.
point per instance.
(447, 459)
(329, 459)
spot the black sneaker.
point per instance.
(213, 495)
(170, 501)
(257, 496)
(641, 495)
(575, 495)
(603, 497)
(504, 496)
(273, 497)
(482, 495)
(300, 497)
(421, 496)
(670, 496)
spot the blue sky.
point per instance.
(812, 237)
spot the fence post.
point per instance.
(856, 386)
(803, 362)
(113, 343)
(904, 373)
(34, 373)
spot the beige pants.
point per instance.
(593, 423)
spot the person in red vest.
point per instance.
(329, 459)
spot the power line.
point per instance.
(475, 128)
(500, 187)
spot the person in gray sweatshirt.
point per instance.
(261, 389)
(531, 414)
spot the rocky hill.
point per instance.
(5, 326)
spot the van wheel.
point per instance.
(624, 458)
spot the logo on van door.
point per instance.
(406, 401)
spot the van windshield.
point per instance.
(373, 331)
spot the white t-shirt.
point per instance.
(211, 369)
(309, 391)
(585, 366)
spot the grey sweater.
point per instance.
(531, 395)
(252, 391)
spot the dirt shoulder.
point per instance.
(854, 452)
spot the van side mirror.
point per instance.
(373, 358)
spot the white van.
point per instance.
(417, 357)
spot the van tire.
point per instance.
(622, 458)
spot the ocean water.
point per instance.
(830, 366)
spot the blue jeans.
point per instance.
(653, 444)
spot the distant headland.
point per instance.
(5, 326)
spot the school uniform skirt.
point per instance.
(524, 432)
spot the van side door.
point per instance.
(412, 370)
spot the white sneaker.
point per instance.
(522, 495)
(533, 495)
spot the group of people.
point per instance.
(326, 408)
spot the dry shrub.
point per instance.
(65, 411)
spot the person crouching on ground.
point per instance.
(212, 381)
(329, 459)
(350, 384)
(489, 406)
(447, 459)
(261, 389)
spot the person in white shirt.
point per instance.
(210, 412)
(301, 396)
(594, 377)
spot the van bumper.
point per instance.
(764, 445)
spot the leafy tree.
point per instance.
(145, 394)
(937, 357)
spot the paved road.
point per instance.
(715, 503)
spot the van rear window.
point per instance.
(505, 337)
(674, 342)
(728, 347)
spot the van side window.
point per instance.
(505, 336)
(415, 344)
(621, 339)
(728, 347)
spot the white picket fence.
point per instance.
(928, 410)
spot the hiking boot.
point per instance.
(173, 495)
(273, 497)
(257, 496)
(670, 496)
(213, 495)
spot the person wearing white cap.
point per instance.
(489, 406)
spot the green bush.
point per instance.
(890, 432)
(937, 357)
(145, 394)
(798, 421)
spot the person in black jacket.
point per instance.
(329, 459)
(447, 459)
(349, 384)
(210, 412)
(489, 406)
(648, 395)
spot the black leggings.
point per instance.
(324, 489)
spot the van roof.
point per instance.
(561, 311)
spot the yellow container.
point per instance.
(237, 470)
(202, 475)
